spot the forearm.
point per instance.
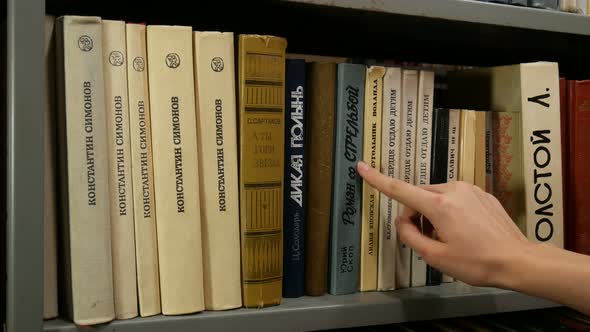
(552, 273)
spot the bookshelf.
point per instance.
(437, 31)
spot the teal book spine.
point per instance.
(345, 223)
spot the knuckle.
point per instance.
(464, 186)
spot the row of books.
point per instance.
(570, 6)
(179, 193)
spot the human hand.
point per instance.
(476, 237)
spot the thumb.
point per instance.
(430, 250)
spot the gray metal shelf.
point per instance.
(332, 312)
(473, 12)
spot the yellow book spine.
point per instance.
(480, 150)
(370, 198)
(261, 84)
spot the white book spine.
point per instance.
(423, 149)
(146, 242)
(84, 164)
(120, 179)
(407, 171)
(178, 216)
(390, 165)
(218, 157)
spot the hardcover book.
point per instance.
(218, 167)
(146, 241)
(370, 196)
(345, 224)
(295, 196)
(532, 91)
(84, 166)
(120, 178)
(261, 126)
(176, 182)
(390, 166)
(322, 83)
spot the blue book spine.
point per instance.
(345, 223)
(294, 216)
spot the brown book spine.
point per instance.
(579, 165)
(322, 83)
(564, 127)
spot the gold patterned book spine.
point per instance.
(480, 150)
(370, 198)
(261, 84)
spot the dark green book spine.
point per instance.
(345, 224)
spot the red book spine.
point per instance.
(579, 159)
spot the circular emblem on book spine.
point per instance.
(138, 64)
(217, 64)
(172, 60)
(116, 58)
(85, 43)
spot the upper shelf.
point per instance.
(335, 312)
(473, 12)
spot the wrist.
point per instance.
(516, 266)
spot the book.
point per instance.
(403, 259)
(83, 161)
(422, 161)
(322, 93)
(467, 137)
(261, 87)
(480, 150)
(370, 195)
(489, 139)
(295, 196)
(533, 93)
(565, 183)
(218, 168)
(453, 156)
(176, 182)
(120, 179)
(345, 223)
(390, 166)
(142, 170)
(438, 170)
(578, 162)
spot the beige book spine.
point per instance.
(146, 241)
(49, 202)
(370, 198)
(84, 171)
(541, 152)
(453, 156)
(178, 217)
(480, 150)
(467, 147)
(408, 151)
(390, 166)
(120, 180)
(423, 158)
(218, 166)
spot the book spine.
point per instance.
(453, 156)
(49, 175)
(467, 147)
(345, 221)
(120, 180)
(84, 171)
(261, 86)
(142, 169)
(370, 196)
(322, 78)
(489, 134)
(480, 150)
(565, 132)
(390, 166)
(438, 170)
(541, 141)
(407, 170)
(173, 119)
(294, 218)
(422, 164)
(218, 168)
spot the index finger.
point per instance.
(412, 196)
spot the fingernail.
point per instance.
(363, 167)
